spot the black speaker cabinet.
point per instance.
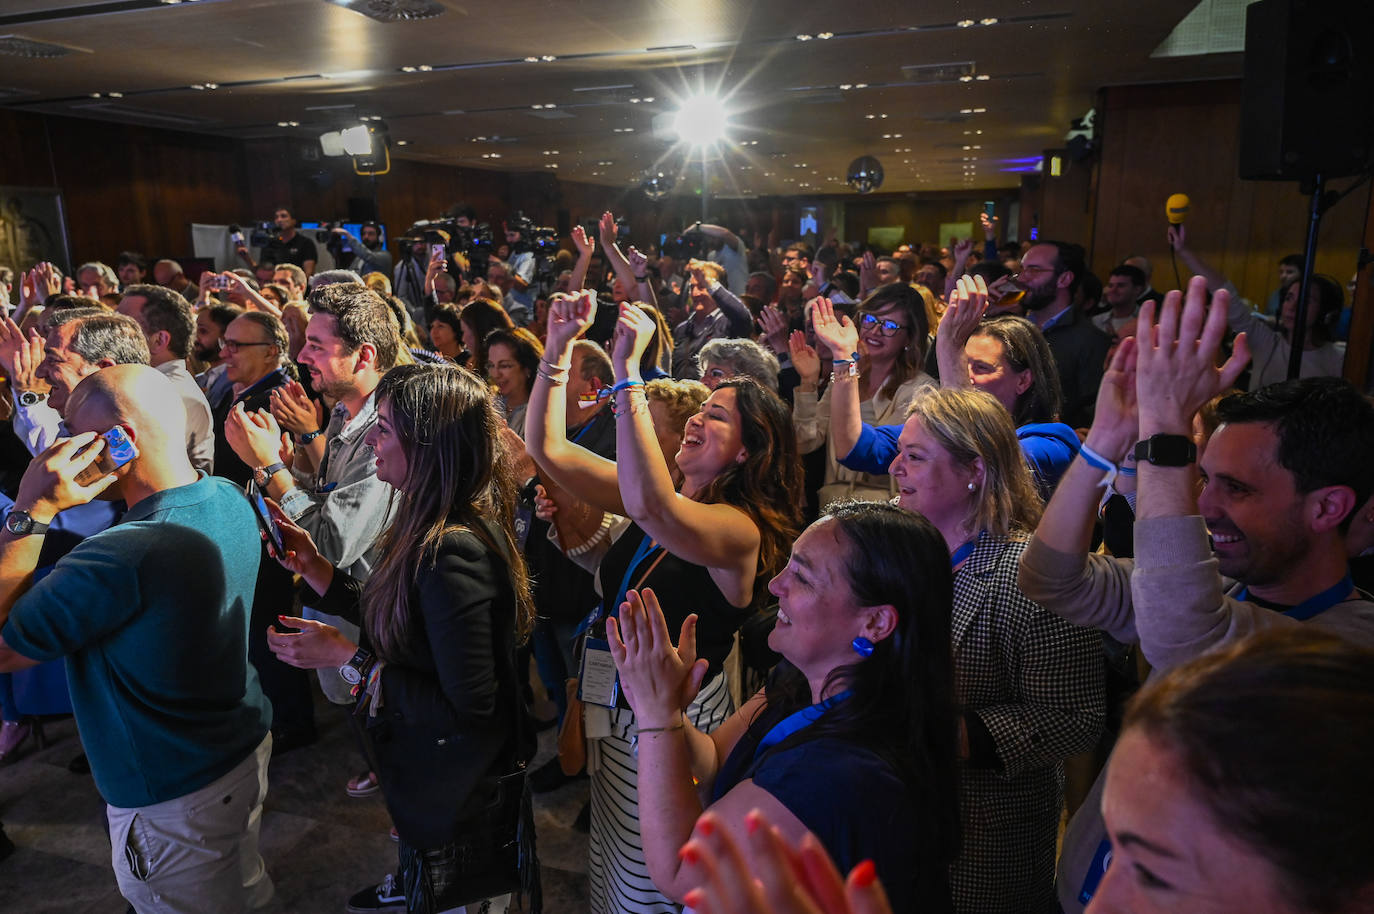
(1308, 101)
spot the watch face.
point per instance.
(350, 674)
(18, 523)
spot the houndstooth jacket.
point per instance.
(1035, 682)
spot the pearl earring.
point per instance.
(971, 487)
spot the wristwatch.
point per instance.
(31, 398)
(1167, 450)
(20, 523)
(261, 475)
(309, 436)
(355, 669)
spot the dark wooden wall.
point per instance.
(1160, 140)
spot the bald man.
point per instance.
(152, 618)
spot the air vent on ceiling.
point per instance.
(392, 10)
(15, 46)
(938, 72)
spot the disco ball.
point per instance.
(657, 186)
(865, 174)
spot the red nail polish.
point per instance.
(694, 898)
(865, 874)
(752, 821)
(706, 827)
(689, 854)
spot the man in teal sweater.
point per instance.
(152, 618)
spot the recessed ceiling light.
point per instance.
(861, 85)
(407, 69)
(991, 20)
(982, 77)
(606, 162)
(803, 37)
(648, 99)
(531, 60)
(403, 142)
(846, 86)
(550, 164)
(424, 68)
(870, 116)
(964, 23)
(824, 36)
(548, 58)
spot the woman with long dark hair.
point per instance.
(441, 617)
(854, 737)
(708, 547)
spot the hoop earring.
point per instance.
(862, 646)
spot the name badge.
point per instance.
(599, 683)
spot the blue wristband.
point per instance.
(625, 385)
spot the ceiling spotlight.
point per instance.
(701, 120)
(634, 101)
(844, 87)
(115, 94)
(403, 142)
(424, 68)
(825, 35)
(861, 85)
(870, 116)
(548, 58)
(803, 37)
(531, 60)
(407, 69)
(964, 23)
(648, 99)
(550, 164)
(95, 95)
(991, 20)
(982, 77)
(965, 78)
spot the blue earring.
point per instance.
(862, 646)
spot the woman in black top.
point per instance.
(440, 617)
(709, 547)
(854, 737)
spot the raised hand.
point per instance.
(638, 262)
(659, 680)
(255, 437)
(868, 270)
(1178, 238)
(633, 332)
(989, 224)
(773, 874)
(608, 228)
(962, 248)
(967, 305)
(1176, 364)
(836, 333)
(1116, 422)
(805, 360)
(585, 246)
(569, 318)
(773, 323)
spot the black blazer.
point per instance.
(449, 720)
(227, 463)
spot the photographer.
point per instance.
(288, 246)
(367, 254)
(522, 264)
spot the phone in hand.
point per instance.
(437, 252)
(119, 449)
(220, 283)
(265, 521)
(237, 239)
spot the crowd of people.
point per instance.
(849, 572)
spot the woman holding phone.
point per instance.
(441, 617)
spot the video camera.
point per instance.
(475, 242)
(689, 245)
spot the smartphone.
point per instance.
(265, 521)
(237, 239)
(118, 451)
(990, 208)
(438, 252)
(220, 283)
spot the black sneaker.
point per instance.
(549, 776)
(385, 896)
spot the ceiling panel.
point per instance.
(807, 94)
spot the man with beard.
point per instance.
(1050, 273)
(332, 489)
(369, 253)
(1261, 547)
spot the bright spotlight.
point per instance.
(701, 120)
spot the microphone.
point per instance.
(1176, 208)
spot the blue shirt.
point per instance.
(152, 616)
(1049, 448)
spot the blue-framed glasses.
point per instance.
(885, 327)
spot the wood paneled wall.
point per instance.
(1184, 138)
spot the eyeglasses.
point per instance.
(1032, 270)
(885, 327)
(229, 345)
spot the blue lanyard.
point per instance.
(798, 720)
(646, 546)
(963, 552)
(586, 426)
(1314, 606)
